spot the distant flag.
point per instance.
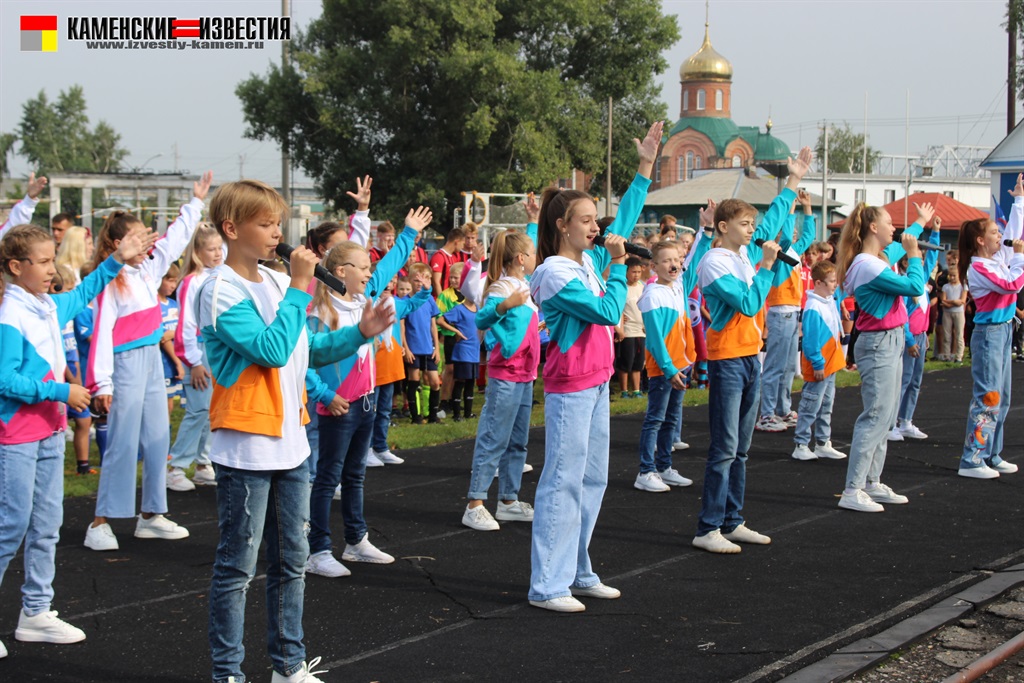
(39, 33)
(997, 213)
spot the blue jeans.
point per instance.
(569, 492)
(779, 362)
(501, 439)
(732, 412)
(192, 443)
(272, 505)
(991, 370)
(313, 437)
(344, 442)
(32, 510)
(879, 357)
(913, 373)
(137, 426)
(384, 397)
(815, 411)
(661, 424)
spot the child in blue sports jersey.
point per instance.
(169, 313)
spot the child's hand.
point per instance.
(909, 243)
(1018, 246)
(678, 381)
(459, 336)
(376, 319)
(707, 214)
(616, 246)
(78, 397)
(200, 377)
(914, 351)
(478, 253)
(179, 371)
(303, 264)
(769, 252)
(418, 218)
(936, 223)
(1017, 191)
(532, 208)
(819, 375)
(798, 168)
(201, 187)
(925, 212)
(101, 404)
(804, 199)
(338, 406)
(35, 186)
(407, 355)
(436, 356)
(362, 193)
(648, 149)
(138, 240)
(514, 300)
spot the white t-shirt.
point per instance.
(246, 451)
(953, 293)
(632, 320)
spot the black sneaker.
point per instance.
(417, 419)
(435, 420)
(458, 418)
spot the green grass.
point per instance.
(406, 436)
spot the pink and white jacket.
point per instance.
(994, 282)
(187, 338)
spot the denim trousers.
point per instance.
(569, 492)
(779, 362)
(272, 505)
(991, 366)
(879, 357)
(735, 385)
(344, 442)
(913, 373)
(815, 411)
(137, 425)
(313, 437)
(384, 396)
(32, 510)
(661, 424)
(193, 441)
(501, 439)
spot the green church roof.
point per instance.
(770, 148)
(720, 131)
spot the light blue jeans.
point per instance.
(569, 492)
(991, 370)
(313, 437)
(879, 357)
(137, 426)
(501, 439)
(192, 443)
(32, 510)
(815, 411)
(735, 385)
(779, 362)
(913, 373)
(661, 424)
(272, 505)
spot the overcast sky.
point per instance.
(804, 60)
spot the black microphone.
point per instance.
(783, 256)
(631, 248)
(1007, 243)
(929, 246)
(320, 273)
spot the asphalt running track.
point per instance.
(453, 607)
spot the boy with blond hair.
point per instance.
(420, 346)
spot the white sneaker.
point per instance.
(387, 457)
(3, 650)
(599, 590)
(480, 519)
(1005, 467)
(100, 538)
(673, 478)
(364, 551)
(742, 534)
(177, 481)
(204, 476)
(802, 452)
(159, 526)
(45, 627)
(895, 434)
(337, 493)
(372, 460)
(563, 604)
(650, 481)
(983, 472)
(789, 419)
(527, 467)
(880, 493)
(324, 564)
(858, 501)
(715, 542)
(680, 446)
(825, 450)
(441, 415)
(303, 675)
(516, 511)
(770, 423)
(909, 431)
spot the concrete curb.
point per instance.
(871, 651)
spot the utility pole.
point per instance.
(175, 157)
(824, 188)
(1011, 66)
(286, 157)
(608, 181)
(241, 166)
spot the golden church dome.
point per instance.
(706, 64)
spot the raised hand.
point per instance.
(35, 185)
(909, 243)
(139, 240)
(532, 208)
(201, 187)
(804, 199)
(1017, 191)
(798, 167)
(478, 253)
(769, 252)
(418, 218)
(376, 319)
(362, 193)
(936, 223)
(925, 212)
(648, 149)
(707, 214)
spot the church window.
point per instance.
(700, 100)
(719, 97)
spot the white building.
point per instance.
(1004, 163)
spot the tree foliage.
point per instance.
(434, 97)
(845, 150)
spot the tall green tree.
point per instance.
(435, 97)
(845, 150)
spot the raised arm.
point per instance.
(360, 221)
(170, 247)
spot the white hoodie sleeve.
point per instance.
(21, 213)
(170, 247)
(189, 324)
(360, 228)
(100, 371)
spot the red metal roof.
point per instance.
(952, 213)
